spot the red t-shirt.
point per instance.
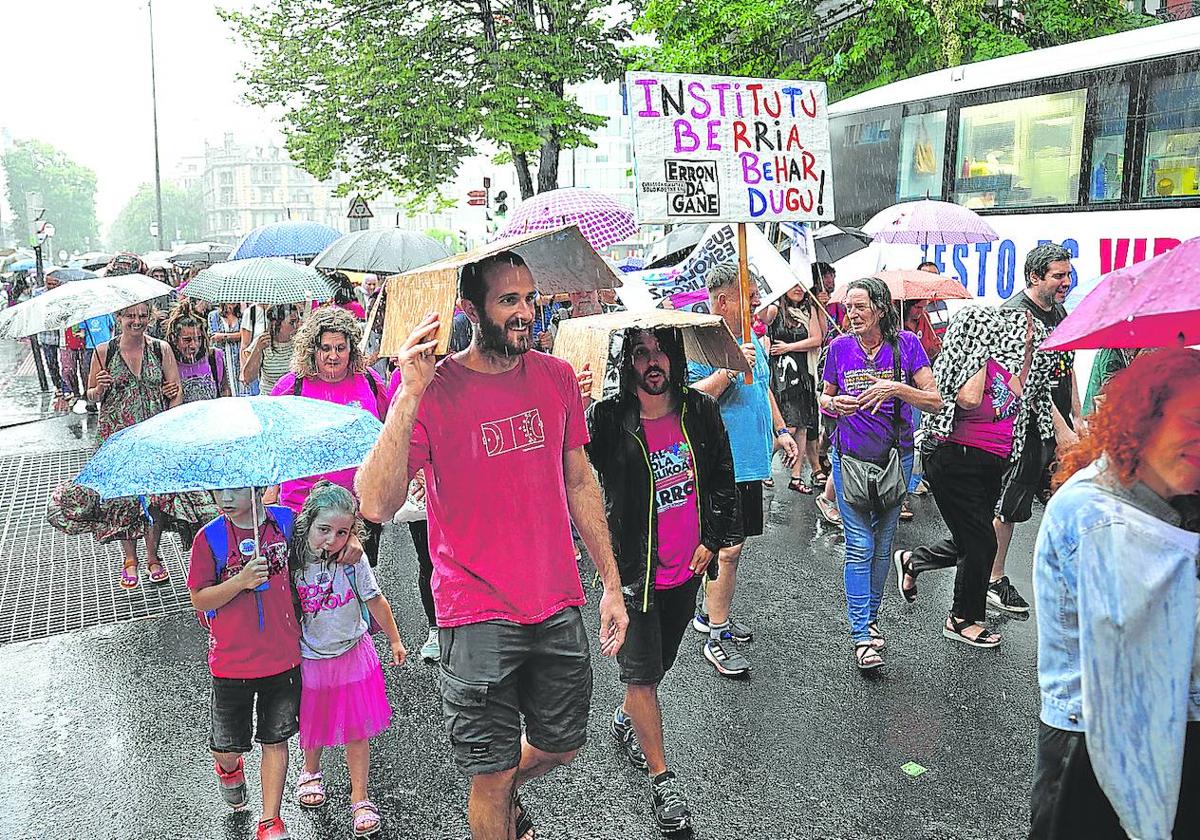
(237, 647)
(499, 530)
(353, 390)
(675, 500)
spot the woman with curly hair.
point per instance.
(327, 364)
(1115, 586)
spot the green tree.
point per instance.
(888, 41)
(183, 215)
(68, 193)
(396, 94)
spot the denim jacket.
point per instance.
(1115, 586)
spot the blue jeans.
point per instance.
(868, 552)
(916, 474)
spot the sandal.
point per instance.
(800, 487)
(524, 823)
(819, 479)
(769, 483)
(867, 656)
(310, 786)
(906, 514)
(984, 639)
(158, 571)
(366, 818)
(877, 640)
(904, 568)
(129, 575)
(829, 511)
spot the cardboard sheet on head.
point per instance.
(588, 341)
(561, 261)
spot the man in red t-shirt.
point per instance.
(253, 650)
(500, 433)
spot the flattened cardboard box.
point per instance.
(561, 261)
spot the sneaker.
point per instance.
(738, 632)
(1002, 595)
(431, 651)
(671, 812)
(626, 735)
(725, 657)
(272, 829)
(233, 785)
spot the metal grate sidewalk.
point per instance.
(53, 583)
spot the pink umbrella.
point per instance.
(929, 222)
(602, 219)
(1155, 303)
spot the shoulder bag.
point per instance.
(871, 487)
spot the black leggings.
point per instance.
(420, 537)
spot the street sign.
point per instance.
(45, 231)
(477, 194)
(359, 209)
(477, 202)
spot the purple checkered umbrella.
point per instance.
(929, 222)
(602, 220)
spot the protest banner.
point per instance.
(560, 260)
(729, 149)
(683, 285)
(595, 342)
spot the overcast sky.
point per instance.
(84, 73)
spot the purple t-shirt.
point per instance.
(990, 426)
(864, 434)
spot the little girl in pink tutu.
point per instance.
(343, 699)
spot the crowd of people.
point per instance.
(661, 481)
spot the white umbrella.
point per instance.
(267, 280)
(73, 303)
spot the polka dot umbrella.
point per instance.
(601, 218)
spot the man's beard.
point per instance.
(493, 337)
(654, 390)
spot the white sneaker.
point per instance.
(431, 651)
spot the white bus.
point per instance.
(1093, 145)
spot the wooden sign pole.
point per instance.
(744, 283)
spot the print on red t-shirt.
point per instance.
(678, 515)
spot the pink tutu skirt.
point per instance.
(343, 699)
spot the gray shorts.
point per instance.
(494, 672)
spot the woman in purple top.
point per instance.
(987, 376)
(874, 416)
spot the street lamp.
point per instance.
(154, 104)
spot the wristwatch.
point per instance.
(733, 375)
(781, 431)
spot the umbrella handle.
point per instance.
(266, 584)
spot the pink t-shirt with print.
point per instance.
(353, 390)
(492, 446)
(676, 507)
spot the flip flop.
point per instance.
(129, 576)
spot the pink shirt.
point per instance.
(492, 446)
(675, 500)
(237, 647)
(990, 426)
(353, 390)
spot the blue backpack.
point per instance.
(217, 537)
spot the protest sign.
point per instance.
(684, 285)
(595, 341)
(729, 149)
(560, 260)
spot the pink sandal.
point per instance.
(366, 818)
(129, 576)
(158, 571)
(312, 787)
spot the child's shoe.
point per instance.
(272, 829)
(233, 785)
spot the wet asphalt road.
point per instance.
(105, 729)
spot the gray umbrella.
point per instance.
(200, 252)
(673, 247)
(387, 251)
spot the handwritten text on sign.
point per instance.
(729, 149)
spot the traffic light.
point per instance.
(500, 203)
(462, 240)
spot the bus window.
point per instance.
(1173, 137)
(922, 153)
(1108, 144)
(1022, 152)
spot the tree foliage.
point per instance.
(395, 93)
(183, 218)
(890, 40)
(68, 193)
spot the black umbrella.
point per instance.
(833, 242)
(674, 246)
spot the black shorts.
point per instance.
(750, 497)
(1028, 479)
(653, 638)
(494, 672)
(271, 704)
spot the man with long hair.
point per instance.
(503, 431)
(665, 464)
(201, 366)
